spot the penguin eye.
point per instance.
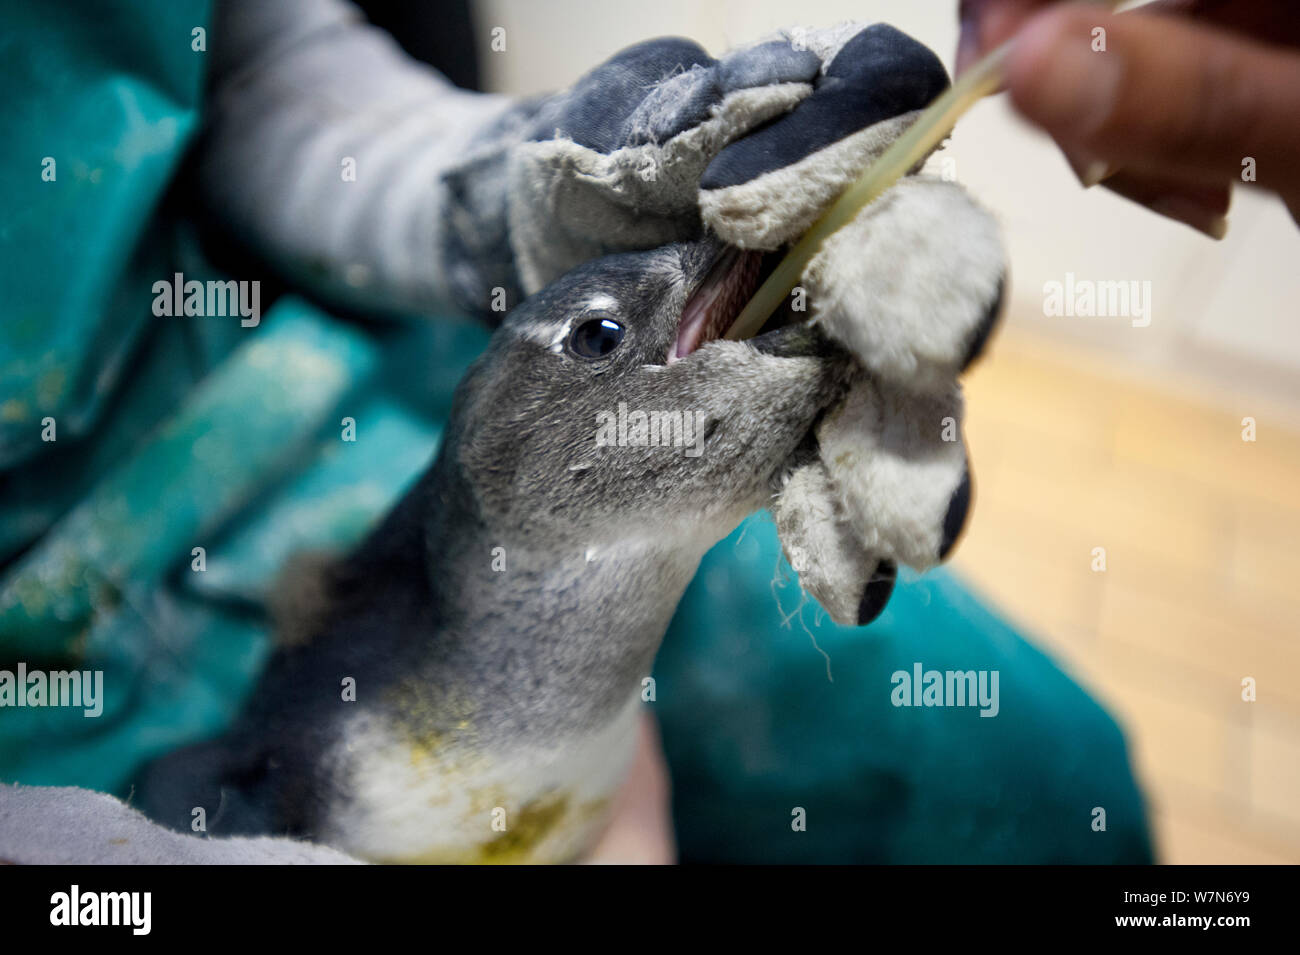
(595, 338)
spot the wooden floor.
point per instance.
(1201, 586)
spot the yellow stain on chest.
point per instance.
(517, 844)
(439, 739)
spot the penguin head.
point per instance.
(609, 403)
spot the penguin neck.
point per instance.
(512, 618)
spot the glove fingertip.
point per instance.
(954, 521)
(879, 74)
(877, 592)
(766, 64)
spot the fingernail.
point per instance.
(1190, 212)
(1088, 168)
(1095, 172)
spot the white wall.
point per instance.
(1225, 314)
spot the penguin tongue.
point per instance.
(712, 309)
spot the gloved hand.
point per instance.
(369, 180)
(630, 156)
(912, 288)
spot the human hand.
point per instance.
(1188, 97)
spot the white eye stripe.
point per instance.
(553, 336)
(545, 335)
(597, 303)
(602, 302)
(561, 333)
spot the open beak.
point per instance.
(725, 278)
(717, 300)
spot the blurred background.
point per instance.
(1091, 433)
